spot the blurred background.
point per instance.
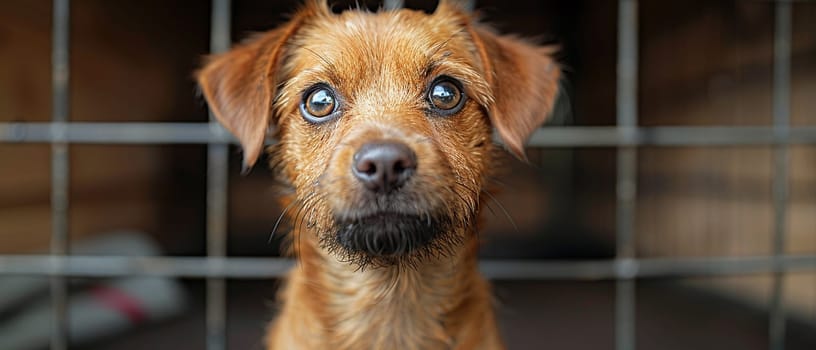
(701, 63)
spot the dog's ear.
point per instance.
(524, 79)
(240, 86)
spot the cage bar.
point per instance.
(556, 136)
(217, 186)
(396, 4)
(625, 301)
(263, 268)
(60, 109)
(393, 4)
(781, 123)
(469, 5)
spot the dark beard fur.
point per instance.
(391, 239)
(386, 234)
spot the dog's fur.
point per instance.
(428, 293)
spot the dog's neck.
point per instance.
(402, 307)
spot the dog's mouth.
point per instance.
(387, 234)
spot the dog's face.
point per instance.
(384, 120)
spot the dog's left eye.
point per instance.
(318, 104)
(446, 96)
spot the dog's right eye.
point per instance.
(318, 104)
(445, 96)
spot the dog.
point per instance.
(384, 122)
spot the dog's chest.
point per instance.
(391, 312)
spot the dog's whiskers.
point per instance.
(495, 180)
(280, 218)
(307, 204)
(503, 209)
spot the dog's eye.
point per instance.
(318, 103)
(445, 96)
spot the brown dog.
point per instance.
(384, 122)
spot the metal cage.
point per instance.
(627, 136)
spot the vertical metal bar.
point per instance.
(627, 63)
(781, 123)
(217, 185)
(59, 166)
(626, 175)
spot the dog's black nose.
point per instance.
(384, 166)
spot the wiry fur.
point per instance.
(348, 292)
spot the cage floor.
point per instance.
(533, 315)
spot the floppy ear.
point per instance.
(524, 80)
(240, 86)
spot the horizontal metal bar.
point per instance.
(669, 136)
(255, 268)
(115, 133)
(393, 4)
(562, 136)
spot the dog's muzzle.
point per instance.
(383, 168)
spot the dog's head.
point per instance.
(384, 120)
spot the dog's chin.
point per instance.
(387, 236)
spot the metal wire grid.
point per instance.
(627, 136)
